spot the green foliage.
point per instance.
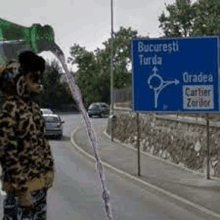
(121, 56)
(179, 21)
(55, 93)
(93, 75)
(185, 19)
(87, 75)
(207, 19)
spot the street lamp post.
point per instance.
(111, 72)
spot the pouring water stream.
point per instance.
(55, 49)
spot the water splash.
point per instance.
(54, 48)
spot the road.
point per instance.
(76, 193)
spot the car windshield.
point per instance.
(46, 111)
(51, 119)
(93, 106)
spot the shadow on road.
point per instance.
(63, 138)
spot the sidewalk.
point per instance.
(183, 183)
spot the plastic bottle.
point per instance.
(16, 38)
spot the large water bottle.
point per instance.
(16, 38)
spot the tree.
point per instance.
(93, 74)
(121, 57)
(87, 75)
(103, 64)
(179, 21)
(185, 19)
(55, 93)
(207, 17)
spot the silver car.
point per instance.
(54, 125)
(100, 109)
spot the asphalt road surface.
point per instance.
(76, 194)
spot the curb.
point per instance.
(118, 171)
(129, 146)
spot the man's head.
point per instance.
(32, 66)
(30, 62)
(23, 76)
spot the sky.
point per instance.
(85, 22)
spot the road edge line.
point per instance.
(172, 195)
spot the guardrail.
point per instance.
(175, 117)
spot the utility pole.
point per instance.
(111, 72)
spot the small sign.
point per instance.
(198, 97)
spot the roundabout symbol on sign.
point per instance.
(156, 82)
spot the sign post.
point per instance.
(208, 152)
(174, 75)
(138, 146)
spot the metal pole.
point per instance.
(111, 72)
(138, 145)
(208, 152)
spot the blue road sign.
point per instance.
(175, 74)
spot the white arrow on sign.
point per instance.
(161, 86)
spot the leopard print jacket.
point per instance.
(25, 154)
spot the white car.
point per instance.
(45, 111)
(54, 125)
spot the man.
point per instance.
(25, 155)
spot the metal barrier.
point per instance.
(174, 117)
